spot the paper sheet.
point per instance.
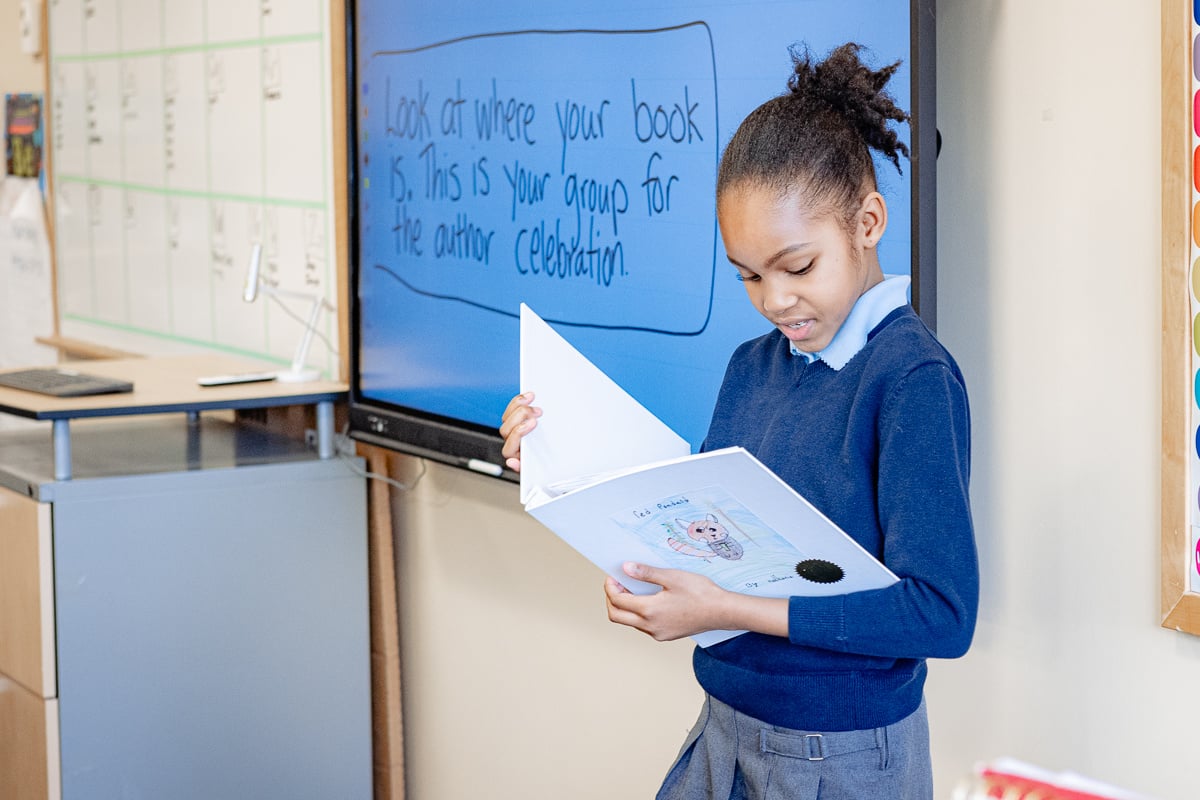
(589, 424)
(26, 302)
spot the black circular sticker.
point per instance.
(820, 571)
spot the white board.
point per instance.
(182, 134)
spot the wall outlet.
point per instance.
(342, 445)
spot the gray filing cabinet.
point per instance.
(186, 618)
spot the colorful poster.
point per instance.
(23, 134)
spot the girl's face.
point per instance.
(802, 272)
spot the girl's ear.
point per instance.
(872, 220)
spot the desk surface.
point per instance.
(167, 384)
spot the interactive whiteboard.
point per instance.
(564, 155)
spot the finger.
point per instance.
(523, 399)
(513, 419)
(510, 426)
(512, 443)
(513, 463)
(626, 618)
(627, 602)
(514, 431)
(617, 595)
(613, 584)
(619, 613)
(520, 406)
(518, 415)
(646, 573)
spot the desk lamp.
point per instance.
(254, 284)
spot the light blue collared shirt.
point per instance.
(869, 310)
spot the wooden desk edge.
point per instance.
(168, 384)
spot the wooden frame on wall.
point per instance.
(1180, 604)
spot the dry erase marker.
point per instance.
(240, 377)
(486, 467)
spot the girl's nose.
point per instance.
(777, 297)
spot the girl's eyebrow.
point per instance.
(791, 248)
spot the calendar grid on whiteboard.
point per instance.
(183, 134)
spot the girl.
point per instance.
(851, 401)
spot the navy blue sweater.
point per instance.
(882, 447)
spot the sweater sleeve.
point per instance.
(928, 537)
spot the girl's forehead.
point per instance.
(764, 212)
(757, 199)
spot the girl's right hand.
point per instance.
(519, 419)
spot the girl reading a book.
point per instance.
(852, 401)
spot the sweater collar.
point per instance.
(869, 310)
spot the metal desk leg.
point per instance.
(193, 440)
(325, 447)
(62, 450)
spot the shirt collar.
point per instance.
(869, 310)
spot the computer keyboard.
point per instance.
(62, 382)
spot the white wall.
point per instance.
(515, 683)
(1048, 266)
(19, 72)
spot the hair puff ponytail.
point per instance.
(815, 139)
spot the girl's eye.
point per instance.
(745, 278)
(803, 270)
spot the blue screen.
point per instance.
(564, 155)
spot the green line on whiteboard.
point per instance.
(282, 202)
(171, 337)
(190, 48)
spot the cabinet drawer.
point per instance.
(26, 594)
(29, 751)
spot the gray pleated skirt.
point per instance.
(730, 755)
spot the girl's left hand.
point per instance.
(688, 603)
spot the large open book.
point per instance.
(618, 485)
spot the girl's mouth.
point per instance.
(797, 331)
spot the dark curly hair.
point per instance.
(815, 139)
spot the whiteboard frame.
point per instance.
(1180, 607)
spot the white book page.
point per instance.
(589, 424)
